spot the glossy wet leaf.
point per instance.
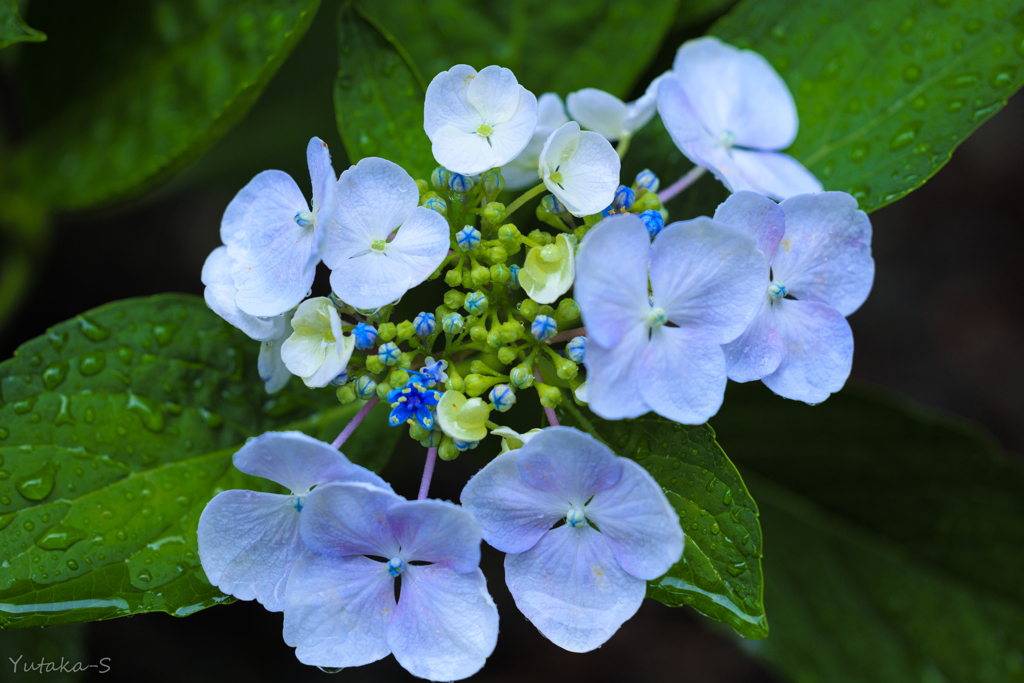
(894, 539)
(885, 89)
(120, 101)
(13, 28)
(551, 46)
(378, 96)
(118, 426)
(720, 573)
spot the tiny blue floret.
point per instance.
(433, 372)
(395, 566)
(425, 324)
(365, 335)
(576, 349)
(646, 180)
(653, 221)
(575, 517)
(461, 183)
(475, 303)
(304, 219)
(468, 238)
(465, 445)
(413, 402)
(502, 397)
(389, 354)
(543, 327)
(624, 198)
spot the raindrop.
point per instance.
(972, 26)
(1002, 76)
(905, 135)
(60, 537)
(911, 73)
(148, 411)
(953, 106)
(37, 485)
(4, 433)
(125, 354)
(164, 332)
(858, 151)
(962, 80)
(55, 374)
(92, 363)
(91, 330)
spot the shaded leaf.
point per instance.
(13, 28)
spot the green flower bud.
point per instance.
(510, 331)
(506, 355)
(493, 182)
(521, 376)
(407, 359)
(374, 364)
(447, 450)
(540, 237)
(346, 394)
(546, 310)
(580, 232)
(494, 338)
(646, 202)
(475, 385)
(383, 389)
(497, 254)
(500, 273)
(493, 212)
(508, 233)
(529, 308)
(432, 440)
(566, 369)
(405, 330)
(417, 432)
(455, 379)
(422, 186)
(550, 397)
(398, 377)
(545, 216)
(478, 332)
(482, 368)
(453, 278)
(481, 276)
(453, 299)
(386, 332)
(439, 178)
(467, 280)
(567, 311)
(427, 196)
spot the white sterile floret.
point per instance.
(578, 582)
(657, 314)
(580, 168)
(729, 111)
(271, 366)
(273, 238)
(476, 121)
(606, 114)
(317, 351)
(370, 267)
(220, 296)
(819, 250)
(249, 540)
(521, 172)
(549, 270)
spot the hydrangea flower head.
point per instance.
(370, 269)
(317, 350)
(274, 239)
(340, 607)
(549, 270)
(249, 540)
(580, 168)
(819, 250)
(609, 116)
(729, 111)
(577, 583)
(521, 172)
(477, 121)
(662, 351)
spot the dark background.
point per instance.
(944, 326)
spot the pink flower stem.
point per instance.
(552, 418)
(567, 335)
(428, 473)
(678, 186)
(354, 422)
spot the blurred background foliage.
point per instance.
(893, 536)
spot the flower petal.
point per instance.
(220, 295)
(349, 519)
(272, 369)
(818, 347)
(299, 462)
(737, 91)
(572, 588)
(757, 352)
(436, 531)
(321, 173)
(598, 111)
(642, 110)
(512, 514)
(568, 463)
(689, 134)
(521, 172)
(512, 136)
(708, 277)
(495, 94)
(338, 610)
(248, 543)
(550, 112)
(445, 626)
(446, 102)
(590, 174)
(464, 152)
(639, 523)
(757, 215)
(826, 254)
(774, 174)
(371, 280)
(421, 244)
(684, 375)
(614, 376)
(611, 278)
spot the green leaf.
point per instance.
(118, 428)
(13, 28)
(551, 46)
(894, 539)
(886, 89)
(113, 122)
(27, 647)
(378, 96)
(720, 573)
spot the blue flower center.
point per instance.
(776, 291)
(656, 316)
(299, 500)
(304, 219)
(726, 139)
(575, 517)
(395, 566)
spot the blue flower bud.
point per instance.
(437, 204)
(646, 180)
(468, 238)
(654, 222)
(475, 303)
(340, 380)
(366, 387)
(439, 178)
(551, 204)
(502, 397)
(465, 445)
(453, 323)
(576, 349)
(624, 197)
(513, 281)
(389, 354)
(543, 327)
(493, 182)
(425, 324)
(460, 183)
(366, 336)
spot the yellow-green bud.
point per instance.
(529, 308)
(407, 359)
(467, 280)
(422, 186)
(346, 394)
(566, 369)
(500, 273)
(550, 397)
(374, 364)
(447, 450)
(453, 299)
(481, 275)
(646, 202)
(540, 237)
(482, 368)
(405, 330)
(521, 376)
(508, 233)
(398, 377)
(507, 355)
(478, 332)
(494, 338)
(417, 432)
(475, 385)
(493, 212)
(383, 389)
(455, 379)
(453, 278)
(441, 312)
(510, 331)
(579, 233)
(497, 254)
(427, 196)
(567, 311)
(546, 310)
(386, 332)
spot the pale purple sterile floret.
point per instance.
(729, 111)
(249, 540)
(819, 250)
(659, 348)
(340, 607)
(578, 582)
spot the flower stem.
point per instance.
(552, 420)
(523, 198)
(567, 335)
(428, 472)
(354, 422)
(678, 186)
(623, 146)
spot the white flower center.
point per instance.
(656, 316)
(395, 566)
(304, 219)
(726, 139)
(776, 291)
(379, 245)
(551, 254)
(484, 130)
(556, 177)
(575, 517)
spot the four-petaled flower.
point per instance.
(340, 608)
(413, 403)
(662, 351)
(521, 172)
(580, 168)
(548, 270)
(476, 121)
(577, 583)
(317, 350)
(819, 250)
(729, 111)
